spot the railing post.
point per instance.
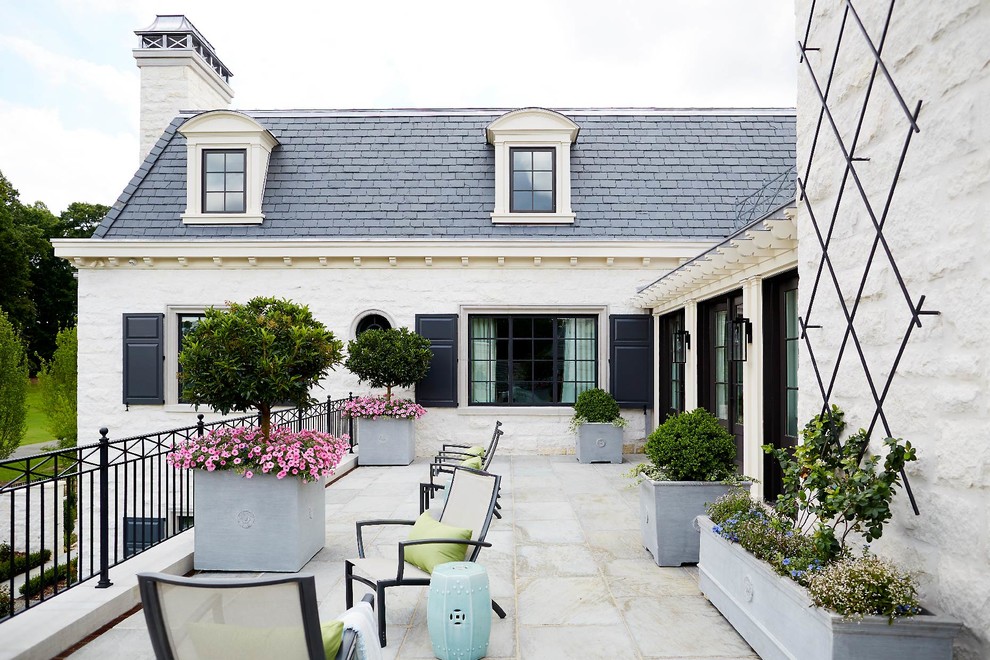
(299, 418)
(330, 428)
(350, 425)
(200, 426)
(104, 510)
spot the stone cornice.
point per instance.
(212, 254)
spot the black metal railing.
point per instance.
(83, 510)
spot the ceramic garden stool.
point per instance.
(459, 611)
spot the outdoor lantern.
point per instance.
(740, 334)
(682, 342)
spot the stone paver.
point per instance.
(567, 566)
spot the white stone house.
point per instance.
(516, 240)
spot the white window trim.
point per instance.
(463, 353)
(532, 128)
(224, 129)
(352, 333)
(171, 331)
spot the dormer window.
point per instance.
(223, 181)
(227, 156)
(532, 180)
(532, 167)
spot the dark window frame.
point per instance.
(511, 359)
(672, 376)
(729, 304)
(775, 386)
(204, 173)
(373, 321)
(178, 349)
(553, 178)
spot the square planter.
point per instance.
(667, 512)
(386, 441)
(258, 524)
(777, 618)
(599, 443)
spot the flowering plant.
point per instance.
(309, 455)
(373, 407)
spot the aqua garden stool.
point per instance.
(459, 612)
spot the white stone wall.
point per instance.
(337, 297)
(938, 231)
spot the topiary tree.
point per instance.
(13, 388)
(596, 406)
(693, 446)
(256, 355)
(58, 378)
(389, 358)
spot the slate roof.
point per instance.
(431, 175)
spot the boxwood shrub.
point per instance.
(15, 564)
(50, 578)
(596, 406)
(693, 446)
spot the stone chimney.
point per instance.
(179, 71)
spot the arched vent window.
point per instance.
(372, 322)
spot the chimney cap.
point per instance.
(175, 31)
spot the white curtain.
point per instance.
(579, 357)
(482, 360)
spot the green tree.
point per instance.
(256, 355)
(58, 378)
(15, 266)
(389, 358)
(80, 220)
(13, 388)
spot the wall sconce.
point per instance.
(740, 336)
(682, 342)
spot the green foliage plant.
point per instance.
(256, 355)
(5, 604)
(49, 578)
(863, 586)
(396, 357)
(692, 446)
(58, 378)
(596, 406)
(18, 562)
(834, 486)
(13, 388)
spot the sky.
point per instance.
(69, 86)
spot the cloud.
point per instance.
(58, 165)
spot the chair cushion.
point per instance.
(333, 634)
(430, 555)
(475, 451)
(473, 462)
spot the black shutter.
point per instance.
(144, 351)
(630, 355)
(439, 388)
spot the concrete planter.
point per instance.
(777, 618)
(258, 524)
(599, 443)
(386, 441)
(667, 512)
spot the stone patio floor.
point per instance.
(567, 566)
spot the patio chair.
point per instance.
(455, 449)
(468, 511)
(239, 618)
(445, 462)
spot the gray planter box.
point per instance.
(386, 441)
(599, 443)
(667, 512)
(776, 617)
(258, 524)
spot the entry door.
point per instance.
(720, 381)
(781, 340)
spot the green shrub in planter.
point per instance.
(389, 358)
(50, 578)
(692, 446)
(596, 406)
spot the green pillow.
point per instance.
(475, 451)
(430, 555)
(333, 634)
(473, 462)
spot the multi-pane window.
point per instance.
(185, 323)
(223, 181)
(791, 384)
(372, 322)
(532, 174)
(531, 360)
(676, 402)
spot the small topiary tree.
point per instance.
(256, 355)
(693, 446)
(595, 406)
(58, 378)
(389, 358)
(13, 388)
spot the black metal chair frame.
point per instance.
(448, 459)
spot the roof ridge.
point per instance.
(424, 112)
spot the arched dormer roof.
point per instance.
(227, 123)
(532, 121)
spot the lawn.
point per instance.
(37, 420)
